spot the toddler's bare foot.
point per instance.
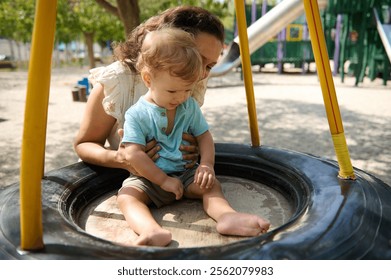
(242, 224)
(158, 237)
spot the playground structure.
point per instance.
(261, 31)
(360, 37)
(291, 45)
(339, 212)
(357, 35)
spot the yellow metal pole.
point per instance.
(35, 121)
(328, 89)
(246, 68)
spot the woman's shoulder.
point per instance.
(105, 74)
(121, 88)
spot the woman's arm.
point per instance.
(95, 128)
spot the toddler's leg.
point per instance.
(133, 203)
(229, 221)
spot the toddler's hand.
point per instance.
(204, 176)
(173, 185)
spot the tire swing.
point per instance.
(338, 212)
(332, 218)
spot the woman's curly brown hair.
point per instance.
(191, 19)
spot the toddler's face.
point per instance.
(167, 91)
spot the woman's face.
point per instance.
(210, 49)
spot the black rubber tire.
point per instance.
(332, 219)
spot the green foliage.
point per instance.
(17, 19)
(66, 23)
(75, 17)
(149, 8)
(87, 16)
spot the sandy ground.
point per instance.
(290, 113)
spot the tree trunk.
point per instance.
(128, 11)
(12, 52)
(89, 38)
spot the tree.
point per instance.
(89, 19)
(67, 22)
(17, 20)
(93, 20)
(127, 11)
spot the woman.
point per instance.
(118, 86)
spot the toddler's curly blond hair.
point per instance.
(172, 50)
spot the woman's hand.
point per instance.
(189, 152)
(151, 149)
